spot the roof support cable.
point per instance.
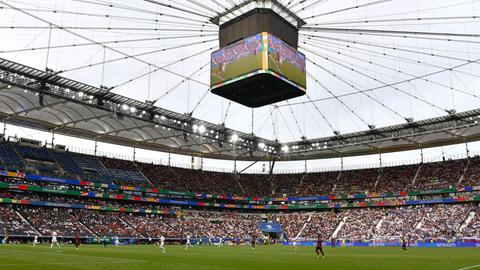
(48, 47)
(417, 11)
(91, 40)
(309, 6)
(103, 65)
(449, 87)
(415, 37)
(286, 124)
(173, 7)
(75, 45)
(226, 113)
(180, 83)
(267, 118)
(252, 121)
(348, 108)
(380, 31)
(351, 85)
(116, 17)
(147, 11)
(106, 28)
(275, 123)
(393, 48)
(137, 55)
(165, 66)
(389, 85)
(322, 115)
(296, 122)
(417, 19)
(376, 80)
(379, 54)
(220, 5)
(200, 101)
(346, 9)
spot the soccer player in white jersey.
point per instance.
(35, 240)
(54, 240)
(188, 244)
(295, 243)
(117, 242)
(162, 243)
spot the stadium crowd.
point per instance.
(425, 176)
(421, 223)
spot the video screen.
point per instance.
(286, 61)
(236, 59)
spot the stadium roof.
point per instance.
(382, 76)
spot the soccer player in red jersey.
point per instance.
(77, 240)
(404, 244)
(319, 249)
(254, 240)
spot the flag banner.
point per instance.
(433, 244)
(34, 177)
(88, 207)
(357, 204)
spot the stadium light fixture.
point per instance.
(195, 128)
(234, 137)
(201, 129)
(261, 145)
(285, 148)
(80, 94)
(133, 109)
(162, 117)
(124, 107)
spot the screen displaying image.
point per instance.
(236, 59)
(286, 61)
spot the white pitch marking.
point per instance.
(67, 263)
(470, 267)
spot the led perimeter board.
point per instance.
(258, 70)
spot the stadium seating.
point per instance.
(441, 174)
(69, 166)
(318, 183)
(12, 223)
(124, 172)
(396, 178)
(92, 168)
(473, 228)
(48, 220)
(323, 223)
(9, 157)
(357, 181)
(471, 176)
(35, 153)
(425, 176)
(420, 223)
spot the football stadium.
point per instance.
(239, 134)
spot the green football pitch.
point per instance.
(234, 257)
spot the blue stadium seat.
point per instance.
(9, 157)
(67, 163)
